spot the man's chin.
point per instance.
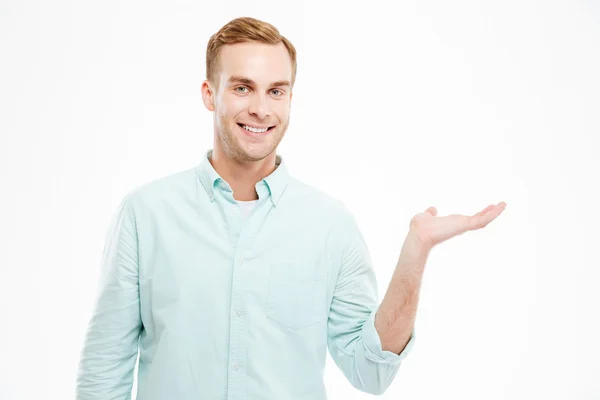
(255, 155)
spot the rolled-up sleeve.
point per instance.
(353, 341)
(110, 348)
(373, 348)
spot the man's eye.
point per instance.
(240, 87)
(277, 90)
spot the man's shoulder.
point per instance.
(317, 199)
(175, 185)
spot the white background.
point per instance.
(397, 107)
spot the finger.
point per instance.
(485, 210)
(432, 211)
(500, 207)
(479, 221)
(497, 211)
(483, 220)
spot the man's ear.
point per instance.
(208, 95)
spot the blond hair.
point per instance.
(239, 30)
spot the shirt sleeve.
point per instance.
(110, 349)
(353, 341)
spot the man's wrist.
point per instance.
(416, 243)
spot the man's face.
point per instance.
(253, 91)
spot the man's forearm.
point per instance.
(396, 316)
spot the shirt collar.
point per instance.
(276, 182)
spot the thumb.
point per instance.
(432, 211)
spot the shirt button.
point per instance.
(238, 313)
(236, 367)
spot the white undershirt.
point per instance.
(246, 207)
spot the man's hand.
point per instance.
(431, 230)
(396, 316)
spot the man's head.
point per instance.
(251, 70)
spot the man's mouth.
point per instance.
(255, 130)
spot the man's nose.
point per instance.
(260, 106)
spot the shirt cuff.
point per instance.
(372, 343)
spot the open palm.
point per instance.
(432, 230)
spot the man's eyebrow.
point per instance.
(250, 82)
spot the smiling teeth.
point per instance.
(255, 130)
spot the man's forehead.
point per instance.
(255, 64)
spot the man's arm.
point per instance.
(395, 319)
(353, 341)
(111, 344)
(367, 340)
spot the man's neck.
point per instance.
(242, 176)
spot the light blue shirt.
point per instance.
(227, 307)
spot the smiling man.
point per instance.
(233, 278)
(249, 89)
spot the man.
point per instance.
(233, 278)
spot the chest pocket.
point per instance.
(297, 293)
